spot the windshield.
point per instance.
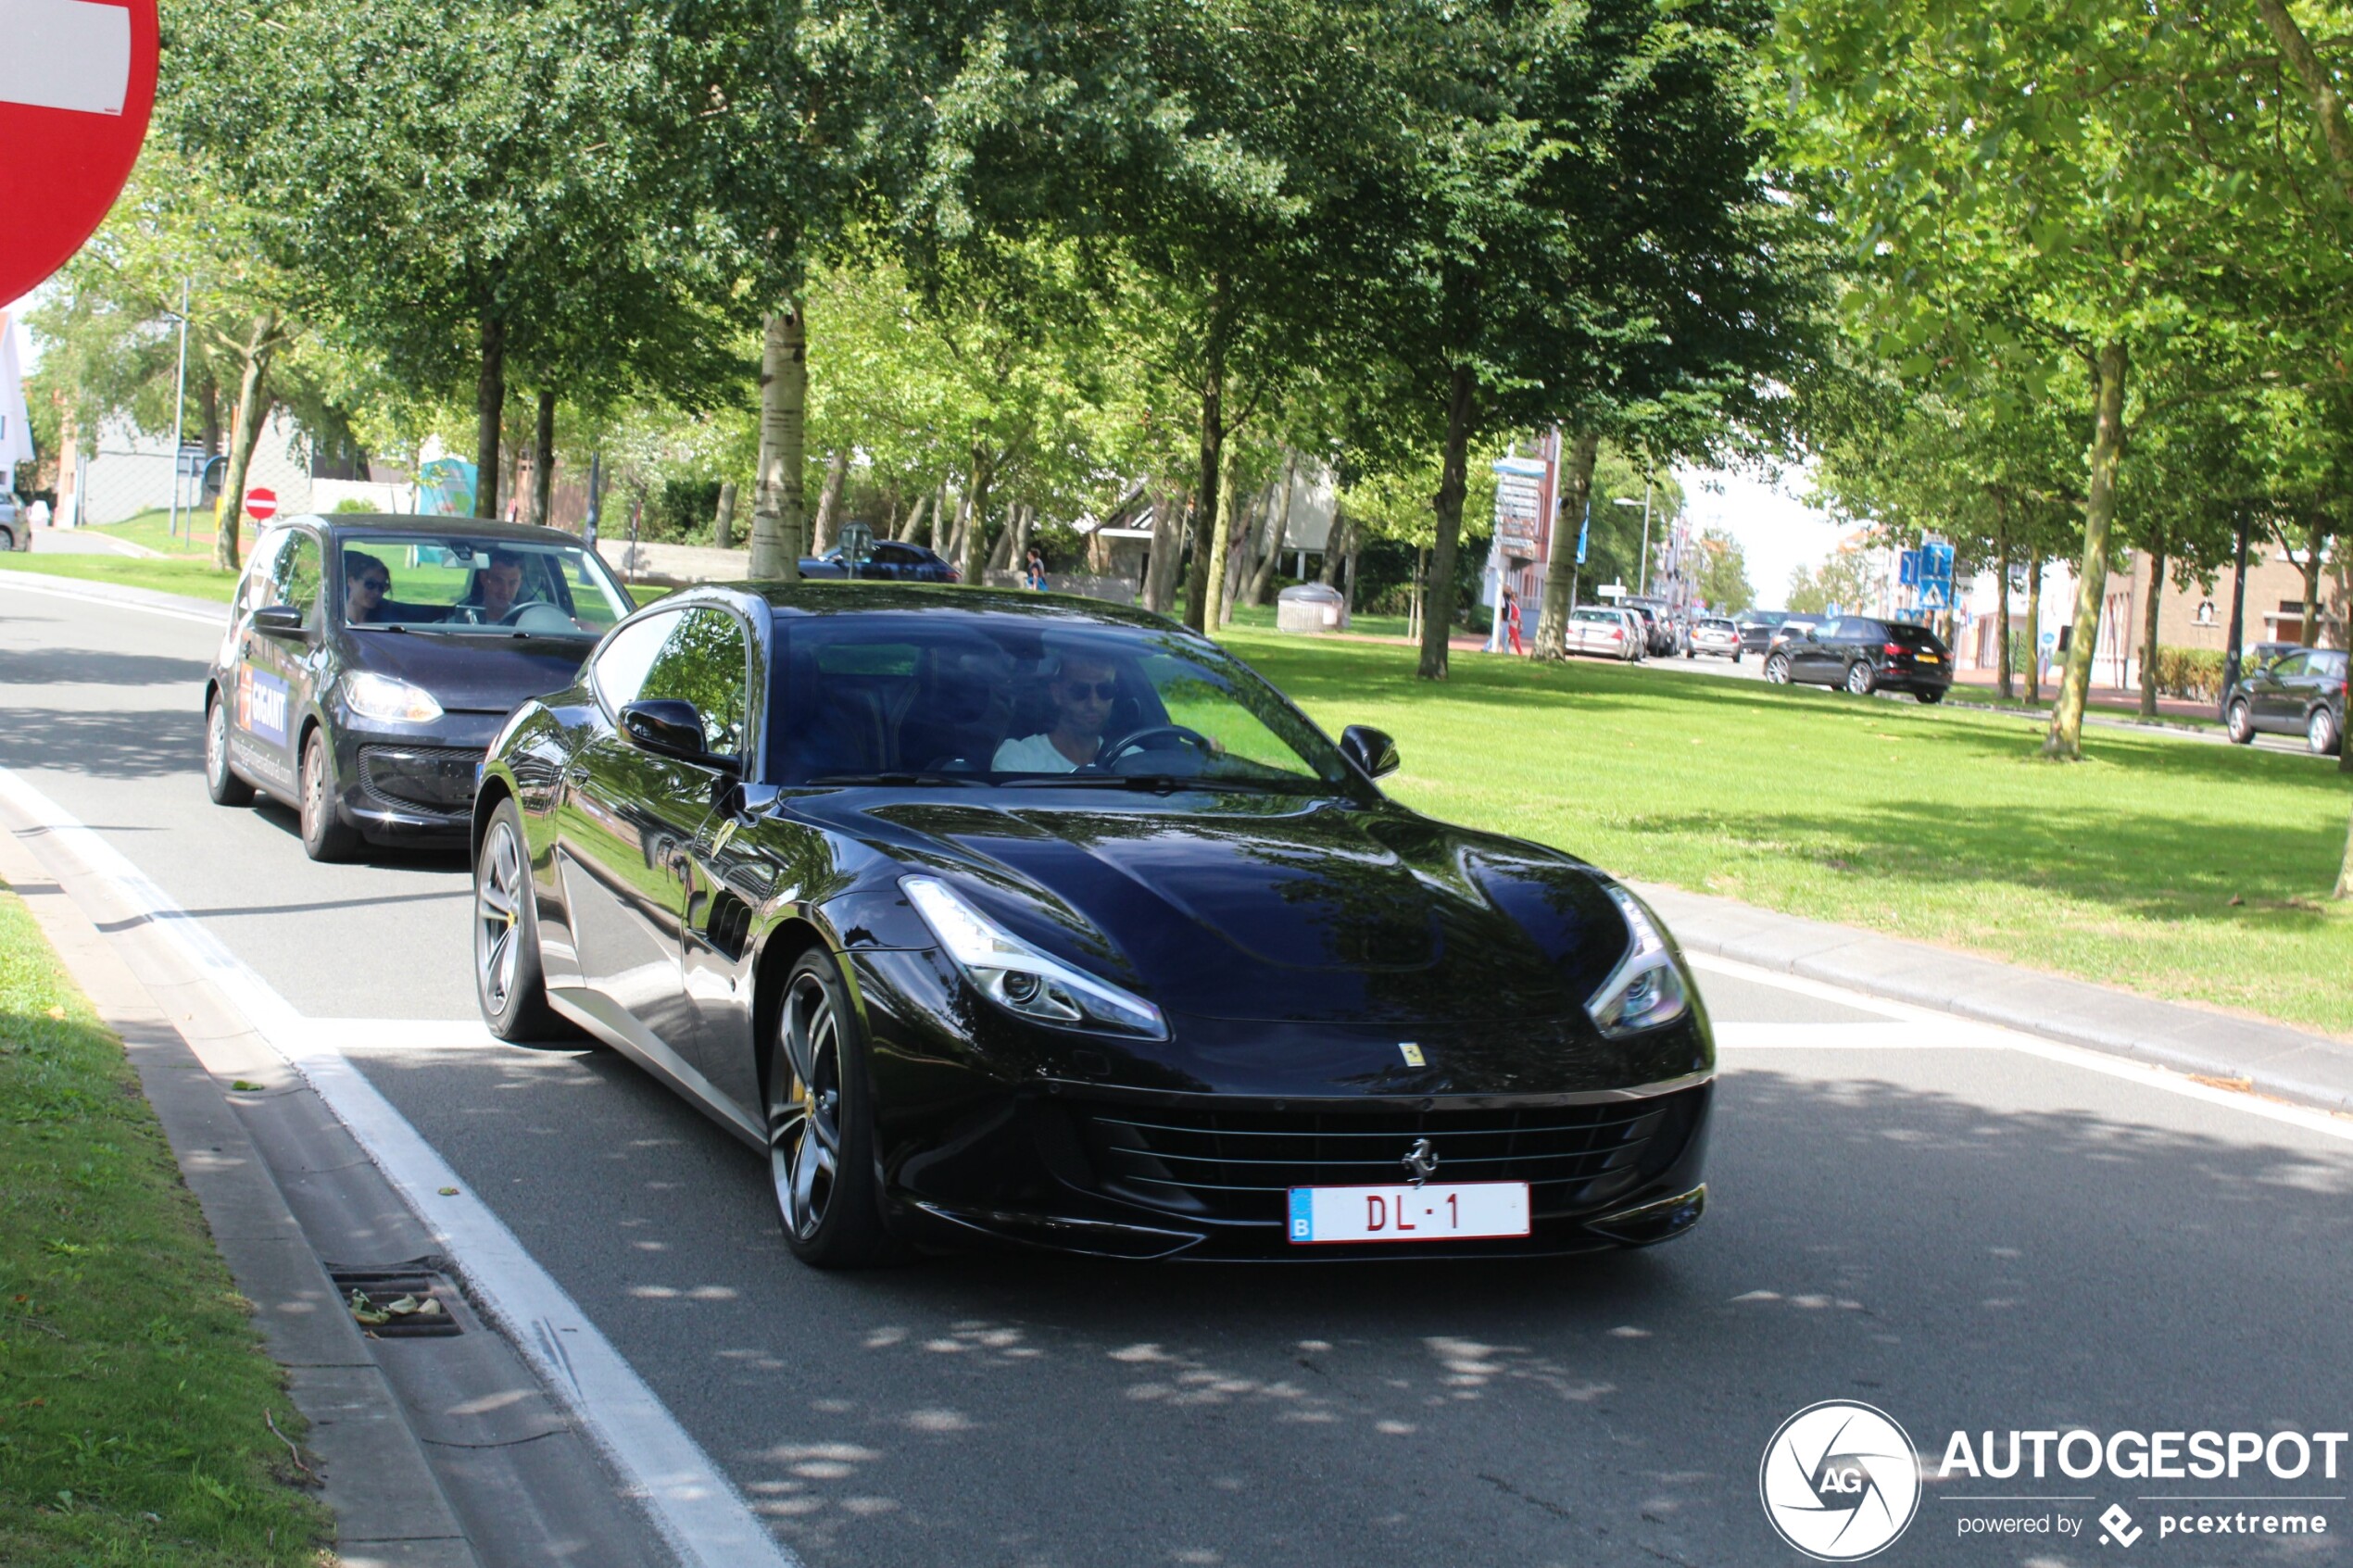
(1018, 701)
(448, 583)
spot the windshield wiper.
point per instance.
(900, 780)
(1157, 783)
(379, 626)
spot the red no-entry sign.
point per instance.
(260, 505)
(77, 83)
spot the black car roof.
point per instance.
(787, 600)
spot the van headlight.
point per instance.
(382, 697)
(1018, 977)
(1646, 989)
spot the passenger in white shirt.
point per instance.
(1083, 693)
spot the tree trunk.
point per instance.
(1218, 541)
(2328, 105)
(1277, 530)
(1210, 468)
(975, 528)
(829, 503)
(2034, 626)
(1001, 556)
(1560, 587)
(1335, 549)
(1160, 562)
(2311, 637)
(2004, 661)
(908, 529)
(2065, 741)
(543, 461)
(208, 405)
(1356, 549)
(779, 512)
(2148, 627)
(490, 407)
(245, 434)
(723, 527)
(1438, 615)
(1241, 554)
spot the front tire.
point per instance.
(2320, 733)
(1860, 680)
(821, 1125)
(1930, 696)
(220, 781)
(1777, 670)
(2241, 724)
(325, 835)
(510, 984)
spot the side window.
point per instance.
(261, 586)
(620, 671)
(299, 576)
(2288, 669)
(706, 661)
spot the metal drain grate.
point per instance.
(366, 1292)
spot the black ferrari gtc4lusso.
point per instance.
(1008, 917)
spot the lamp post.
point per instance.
(1642, 571)
(179, 417)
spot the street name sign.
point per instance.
(77, 84)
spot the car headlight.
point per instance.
(380, 696)
(1018, 977)
(1646, 989)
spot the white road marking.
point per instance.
(16, 579)
(691, 1501)
(1941, 1031)
(65, 54)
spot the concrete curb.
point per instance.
(2269, 1059)
(390, 1512)
(91, 591)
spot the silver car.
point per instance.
(1714, 635)
(16, 530)
(1608, 633)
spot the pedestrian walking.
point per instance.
(1033, 570)
(1511, 621)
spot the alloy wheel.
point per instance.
(804, 1107)
(1777, 672)
(499, 895)
(1858, 679)
(2320, 733)
(2242, 726)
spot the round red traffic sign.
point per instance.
(77, 84)
(261, 505)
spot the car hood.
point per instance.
(1256, 907)
(470, 674)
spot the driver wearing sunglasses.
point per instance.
(366, 581)
(1083, 691)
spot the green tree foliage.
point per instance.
(1722, 576)
(1848, 581)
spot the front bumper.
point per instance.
(416, 787)
(976, 1153)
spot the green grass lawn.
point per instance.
(1261, 618)
(152, 530)
(2169, 866)
(135, 1397)
(196, 577)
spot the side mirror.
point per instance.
(278, 621)
(1370, 749)
(668, 727)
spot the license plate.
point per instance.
(1928, 658)
(1458, 1211)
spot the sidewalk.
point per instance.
(2123, 699)
(2265, 1057)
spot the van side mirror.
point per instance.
(1370, 749)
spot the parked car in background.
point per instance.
(1757, 627)
(1865, 654)
(1659, 621)
(1608, 633)
(1793, 627)
(893, 561)
(16, 530)
(1714, 635)
(2302, 694)
(2258, 655)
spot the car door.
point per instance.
(277, 671)
(625, 817)
(2276, 697)
(1810, 654)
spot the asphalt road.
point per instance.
(1968, 1236)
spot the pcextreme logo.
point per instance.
(1840, 1481)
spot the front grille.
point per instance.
(1238, 1165)
(436, 779)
